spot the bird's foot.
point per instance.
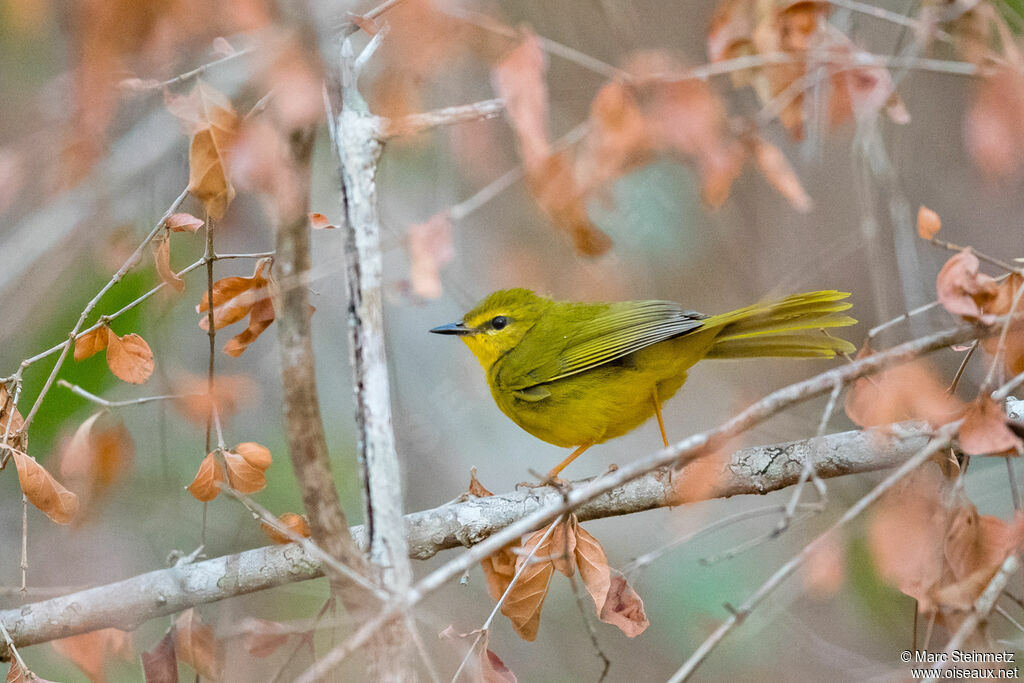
(549, 479)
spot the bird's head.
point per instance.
(498, 323)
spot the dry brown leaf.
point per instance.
(911, 391)
(780, 174)
(928, 223)
(204, 485)
(824, 569)
(195, 644)
(43, 491)
(618, 138)
(236, 297)
(593, 565)
(296, 523)
(906, 532)
(519, 80)
(261, 315)
(233, 297)
(554, 186)
(994, 125)
(160, 664)
(623, 608)
(161, 247)
(15, 674)
(985, 430)
(100, 453)
(295, 76)
(11, 422)
(976, 545)
(129, 357)
(430, 250)
(318, 221)
(261, 638)
(526, 597)
(246, 465)
(484, 666)
(228, 392)
(475, 487)
(91, 343)
(963, 290)
(91, 651)
(213, 125)
(183, 222)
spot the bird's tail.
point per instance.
(788, 327)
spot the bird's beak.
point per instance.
(452, 328)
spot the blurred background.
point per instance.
(86, 171)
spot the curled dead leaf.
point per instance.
(196, 645)
(213, 125)
(160, 664)
(91, 651)
(11, 422)
(985, 430)
(262, 638)
(824, 569)
(129, 357)
(91, 343)
(183, 222)
(906, 532)
(911, 391)
(195, 403)
(237, 297)
(43, 491)
(593, 565)
(318, 221)
(963, 290)
(780, 174)
(623, 608)
(161, 247)
(994, 125)
(484, 665)
(204, 485)
(295, 523)
(100, 453)
(928, 223)
(519, 80)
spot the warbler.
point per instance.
(578, 374)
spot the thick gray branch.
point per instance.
(755, 470)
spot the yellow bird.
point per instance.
(578, 374)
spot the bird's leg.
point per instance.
(661, 421)
(553, 474)
(661, 425)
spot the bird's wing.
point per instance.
(596, 337)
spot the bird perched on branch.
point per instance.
(578, 374)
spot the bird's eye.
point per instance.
(499, 322)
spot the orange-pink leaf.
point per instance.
(129, 357)
(43, 491)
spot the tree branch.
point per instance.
(307, 443)
(750, 471)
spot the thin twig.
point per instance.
(449, 116)
(199, 71)
(75, 389)
(591, 632)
